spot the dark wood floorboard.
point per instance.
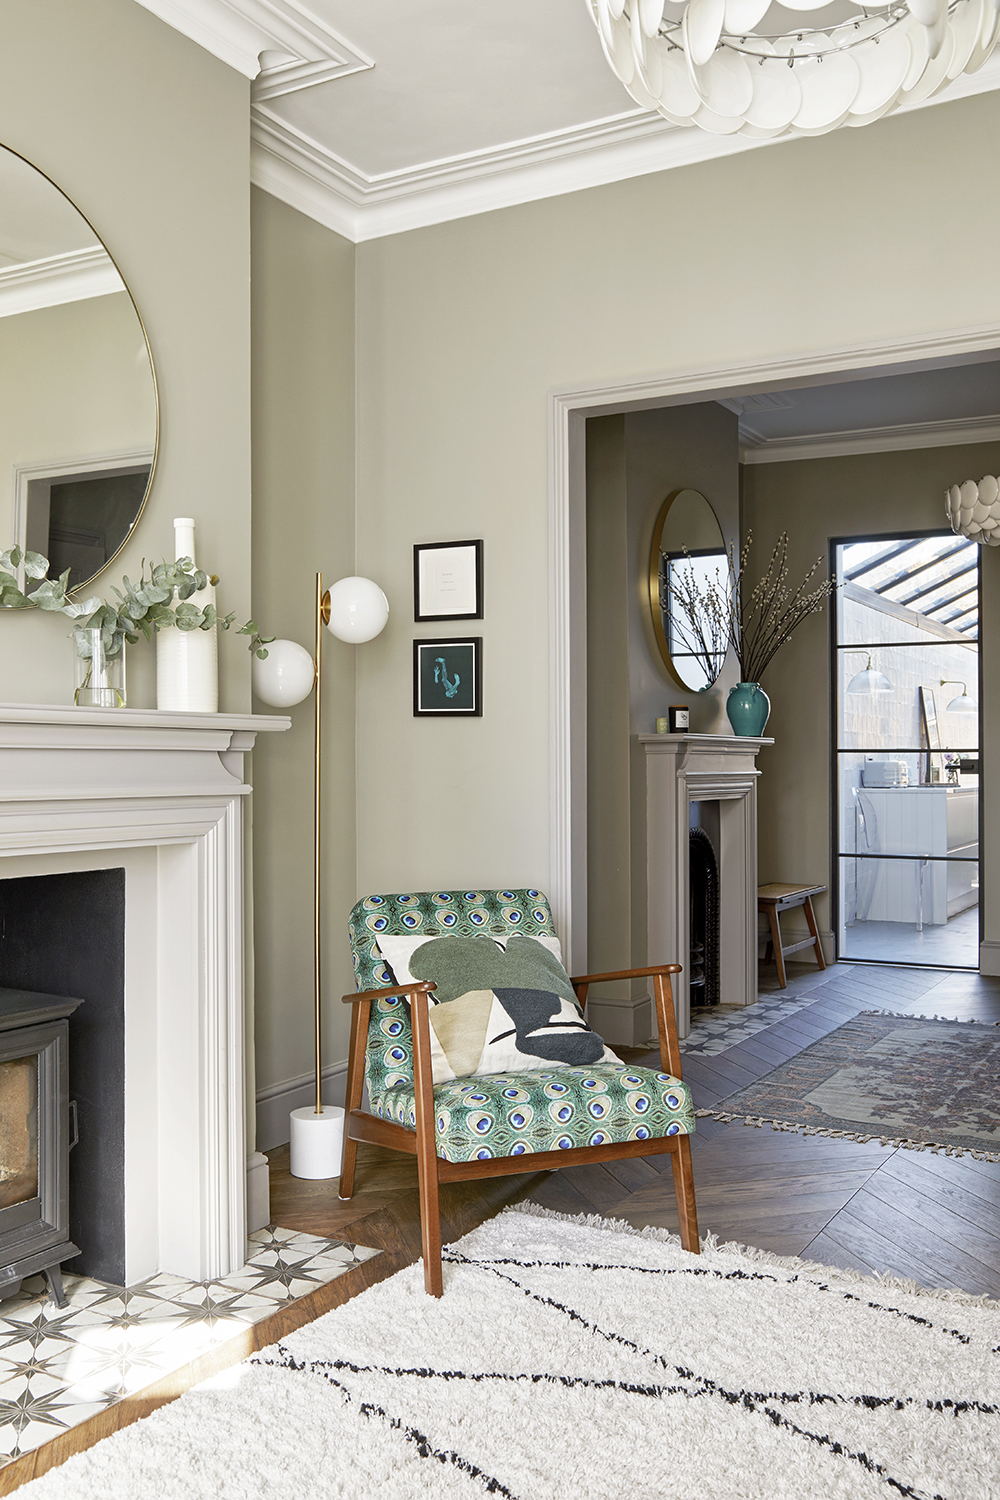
(933, 1218)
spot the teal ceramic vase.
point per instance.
(748, 707)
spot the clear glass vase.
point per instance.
(100, 678)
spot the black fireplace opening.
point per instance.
(704, 919)
(65, 935)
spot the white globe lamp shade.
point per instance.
(963, 704)
(285, 676)
(358, 610)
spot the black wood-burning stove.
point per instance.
(34, 1139)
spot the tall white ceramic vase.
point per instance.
(187, 661)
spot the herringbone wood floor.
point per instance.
(933, 1218)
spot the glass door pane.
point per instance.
(906, 676)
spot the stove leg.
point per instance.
(53, 1276)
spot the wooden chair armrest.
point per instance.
(401, 989)
(627, 974)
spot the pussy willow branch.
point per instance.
(756, 627)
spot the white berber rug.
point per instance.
(575, 1358)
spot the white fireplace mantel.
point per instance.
(161, 795)
(686, 768)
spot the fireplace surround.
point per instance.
(160, 797)
(721, 769)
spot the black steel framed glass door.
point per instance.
(906, 749)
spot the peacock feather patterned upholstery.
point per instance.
(509, 1114)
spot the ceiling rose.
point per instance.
(704, 63)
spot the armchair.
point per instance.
(486, 1126)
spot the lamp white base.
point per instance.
(317, 1142)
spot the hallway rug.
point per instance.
(575, 1357)
(902, 1080)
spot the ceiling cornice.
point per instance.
(301, 50)
(303, 173)
(71, 277)
(946, 434)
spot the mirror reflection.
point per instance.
(688, 562)
(78, 417)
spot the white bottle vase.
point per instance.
(187, 661)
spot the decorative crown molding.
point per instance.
(300, 49)
(756, 449)
(284, 47)
(72, 277)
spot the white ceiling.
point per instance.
(375, 116)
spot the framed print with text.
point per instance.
(447, 678)
(448, 581)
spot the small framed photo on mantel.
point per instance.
(448, 581)
(448, 678)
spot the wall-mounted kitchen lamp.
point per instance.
(868, 681)
(354, 610)
(963, 704)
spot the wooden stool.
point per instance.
(775, 898)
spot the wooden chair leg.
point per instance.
(687, 1213)
(355, 1089)
(427, 1162)
(811, 919)
(779, 957)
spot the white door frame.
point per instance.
(568, 411)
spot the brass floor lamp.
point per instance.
(355, 610)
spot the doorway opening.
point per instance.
(905, 683)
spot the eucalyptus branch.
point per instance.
(158, 601)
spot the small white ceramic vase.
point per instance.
(187, 661)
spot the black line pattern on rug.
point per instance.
(632, 1388)
(744, 1399)
(412, 1435)
(449, 1255)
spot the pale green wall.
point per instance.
(149, 136)
(464, 329)
(812, 501)
(303, 523)
(633, 462)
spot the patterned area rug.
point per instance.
(577, 1358)
(902, 1080)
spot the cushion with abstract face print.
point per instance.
(501, 1004)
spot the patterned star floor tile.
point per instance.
(58, 1367)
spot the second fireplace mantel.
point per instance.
(686, 768)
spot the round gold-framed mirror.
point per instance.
(79, 414)
(688, 561)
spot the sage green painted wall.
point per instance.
(634, 462)
(149, 136)
(465, 328)
(303, 523)
(855, 496)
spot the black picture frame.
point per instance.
(438, 695)
(427, 601)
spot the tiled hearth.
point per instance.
(58, 1368)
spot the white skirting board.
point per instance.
(989, 956)
(258, 1193)
(623, 1023)
(276, 1102)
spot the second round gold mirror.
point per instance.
(687, 560)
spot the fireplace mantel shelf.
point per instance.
(62, 726)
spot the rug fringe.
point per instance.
(710, 1243)
(903, 1015)
(726, 1117)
